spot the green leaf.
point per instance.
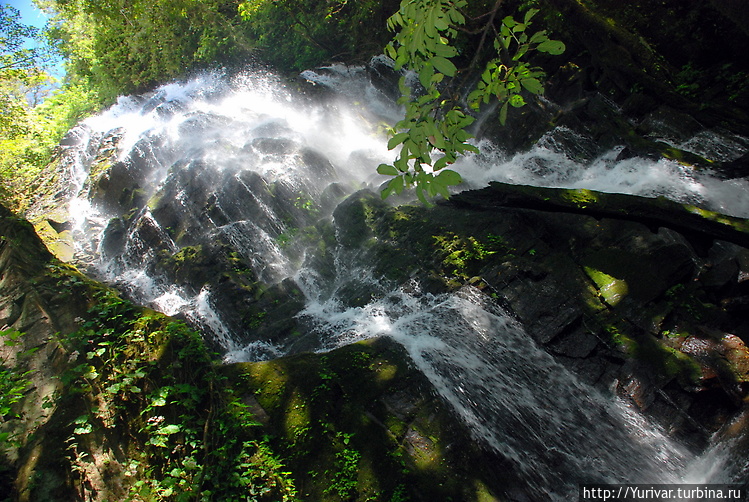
(441, 163)
(486, 76)
(398, 184)
(387, 170)
(390, 52)
(553, 47)
(421, 197)
(439, 188)
(529, 15)
(397, 140)
(539, 37)
(386, 192)
(445, 51)
(522, 50)
(83, 429)
(83, 426)
(503, 114)
(532, 85)
(158, 401)
(168, 430)
(411, 146)
(517, 100)
(401, 163)
(425, 75)
(429, 26)
(444, 65)
(449, 177)
(474, 99)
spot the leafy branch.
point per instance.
(433, 132)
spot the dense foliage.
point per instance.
(190, 437)
(298, 34)
(125, 46)
(34, 116)
(435, 122)
(20, 72)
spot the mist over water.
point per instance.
(253, 131)
(549, 164)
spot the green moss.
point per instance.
(666, 362)
(579, 197)
(674, 334)
(740, 224)
(611, 289)
(622, 340)
(60, 244)
(669, 363)
(462, 255)
(684, 157)
(483, 493)
(351, 427)
(271, 384)
(99, 167)
(154, 201)
(297, 416)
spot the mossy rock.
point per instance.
(359, 423)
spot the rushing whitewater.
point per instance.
(225, 148)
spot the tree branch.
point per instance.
(487, 27)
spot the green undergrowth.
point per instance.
(14, 382)
(144, 412)
(148, 382)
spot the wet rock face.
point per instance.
(39, 299)
(614, 300)
(225, 226)
(598, 288)
(362, 400)
(120, 186)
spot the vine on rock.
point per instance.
(433, 132)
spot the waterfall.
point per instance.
(515, 398)
(225, 151)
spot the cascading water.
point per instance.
(225, 140)
(557, 431)
(223, 152)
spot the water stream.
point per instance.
(226, 143)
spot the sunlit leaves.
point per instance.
(387, 170)
(506, 82)
(82, 425)
(432, 133)
(23, 59)
(249, 8)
